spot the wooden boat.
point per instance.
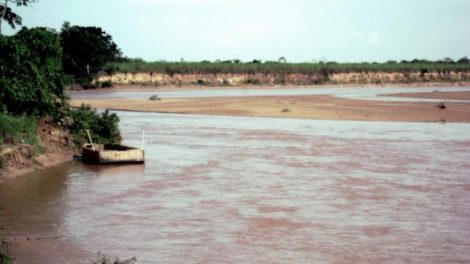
(111, 154)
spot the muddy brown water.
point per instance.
(255, 190)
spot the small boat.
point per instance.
(111, 154)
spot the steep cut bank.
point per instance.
(240, 79)
(54, 146)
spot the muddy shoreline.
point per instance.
(56, 148)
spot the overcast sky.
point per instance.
(300, 30)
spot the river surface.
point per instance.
(360, 93)
(219, 189)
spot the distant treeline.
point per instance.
(281, 67)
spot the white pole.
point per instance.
(89, 137)
(142, 140)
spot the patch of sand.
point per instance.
(436, 95)
(306, 107)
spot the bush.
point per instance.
(4, 259)
(107, 84)
(103, 127)
(154, 98)
(31, 75)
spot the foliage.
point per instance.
(8, 15)
(86, 49)
(155, 98)
(31, 76)
(103, 259)
(103, 127)
(4, 259)
(107, 84)
(16, 130)
(320, 68)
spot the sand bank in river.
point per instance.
(307, 107)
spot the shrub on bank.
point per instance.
(4, 259)
(103, 127)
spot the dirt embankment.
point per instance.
(350, 78)
(55, 148)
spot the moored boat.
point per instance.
(111, 154)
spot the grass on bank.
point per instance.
(235, 67)
(18, 130)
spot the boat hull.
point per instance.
(112, 154)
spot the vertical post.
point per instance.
(89, 137)
(142, 140)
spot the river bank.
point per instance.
(54, 148)
(284, 79)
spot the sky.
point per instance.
(299, 30)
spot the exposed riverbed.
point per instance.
(236, 189)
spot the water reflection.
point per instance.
(35, 203)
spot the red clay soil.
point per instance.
(56, 148)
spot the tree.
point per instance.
(464, 60)
(282, 60)
(9, 16)
(86, 50)
(31, 75)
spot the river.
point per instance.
(360, 93)
(219, 189)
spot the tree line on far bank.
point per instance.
(237, 66)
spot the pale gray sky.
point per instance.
(300, 30)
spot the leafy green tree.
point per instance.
(31, 76)
(86, 50)
(8, 15)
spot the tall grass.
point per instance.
(18, 130)
(230, 67)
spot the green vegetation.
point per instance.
(8, 15)
(4, 259)
(103, 127)
(155, 98)
(86, 50)
(18, 130)
(32, 82)
(270, 67)
(31, 74)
